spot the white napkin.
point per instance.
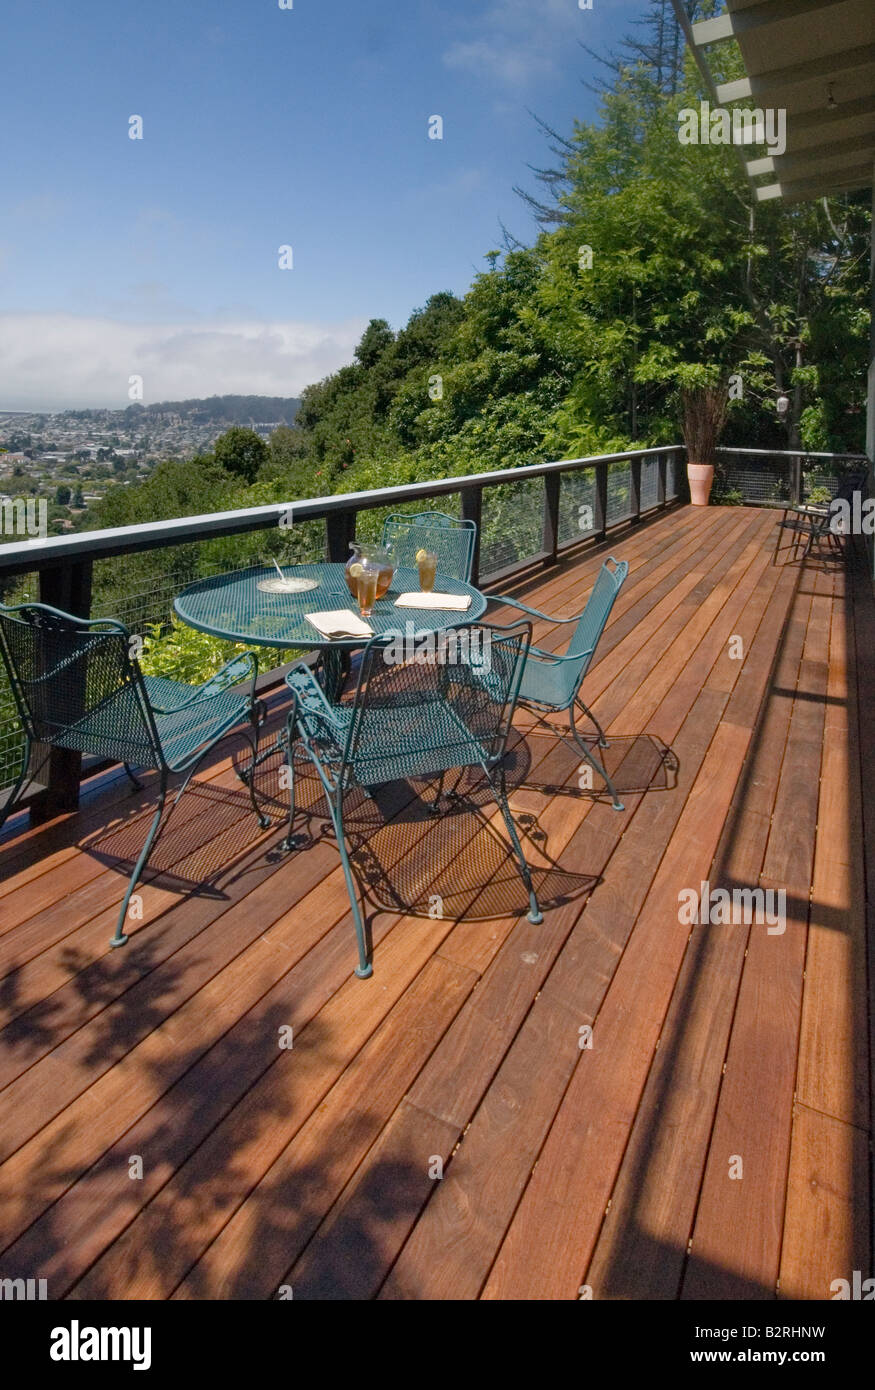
(341, 622)
(458, 602)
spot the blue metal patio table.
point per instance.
(231, 606)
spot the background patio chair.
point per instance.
(452, 541)
(813, 520)
(417, 719)
(76, 686)
(551, 683)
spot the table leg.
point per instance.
(333, 670)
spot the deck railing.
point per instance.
(774, 478)
(526, 518)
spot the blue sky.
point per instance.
(262, 127)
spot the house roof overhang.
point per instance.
(815, 61)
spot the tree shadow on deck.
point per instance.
(231, 1129)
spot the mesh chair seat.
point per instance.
(182, 731)
(114, 728)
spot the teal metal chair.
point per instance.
(816, 522)
(416, 719)
(77, 686)
(551, 682)
(451, 540)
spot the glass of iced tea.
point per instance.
(426, 563)
(365, 576)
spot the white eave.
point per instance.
(814, 59)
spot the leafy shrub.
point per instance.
(181, 653)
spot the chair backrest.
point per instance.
(856, 481)
(446, 702)
(451, 540)
(593, 619)
(76, 684)
(839, 518)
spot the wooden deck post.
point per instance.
(550, 524)
(472, 510)
(58, 770)
(339, 531)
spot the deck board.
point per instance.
(563, 1167)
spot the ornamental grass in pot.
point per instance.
(703, 417)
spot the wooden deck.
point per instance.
(715, 1049)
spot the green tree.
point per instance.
(241, 452)
(62, 496)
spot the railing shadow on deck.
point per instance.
(662, 1269)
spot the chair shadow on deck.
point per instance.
(425, 856)
(200, 838)
(636, 763)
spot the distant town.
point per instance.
(71, 458)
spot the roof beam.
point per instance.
(789, 163)
(846, 181)
(827, 67)
(729, 25)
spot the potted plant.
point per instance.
(704, 414)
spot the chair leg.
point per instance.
(435, 807)
(263, 820)
(603, 742)
(120, 938)
(134, 779)
(289, 842)
(593, 761)
(534, 913)
(364, 969)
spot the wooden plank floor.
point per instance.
(612, 1104)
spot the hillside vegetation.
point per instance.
(651, 266)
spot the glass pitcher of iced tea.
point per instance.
(375, 555)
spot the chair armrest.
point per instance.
(535, 612)
(232, 673)
(555, 658)
(808, 508)
(324, 711)
(326, 729)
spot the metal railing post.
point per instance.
(550, 524)
(796, 479)
(472, 510)
(600, 519)
(661, 484)
(339, 531)
(681, 479)
(58, 771)
(635, 479)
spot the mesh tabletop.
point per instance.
(233, 607)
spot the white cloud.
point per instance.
(61, 361)
(517, 42)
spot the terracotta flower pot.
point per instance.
(701, 476)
